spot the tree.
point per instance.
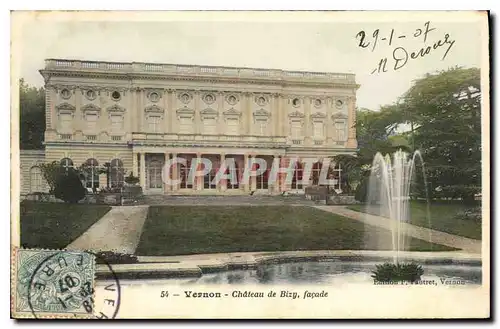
(69, 187)
(445, 108)
(51, 172)
(32, 116)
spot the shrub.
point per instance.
(474, 214)
(361, 193)
(111, 257)
(69, 187)
(388, 272)
(131, 179)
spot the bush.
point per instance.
(361, 193)
(131, 179)
(474, 214)
(69, 187)
(111, 257)
(390, 272)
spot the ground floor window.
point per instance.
(91, 172)
(154, 174)
(36, 179)
(116, 173)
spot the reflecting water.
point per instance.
(325, 273)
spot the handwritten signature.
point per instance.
(400, 55)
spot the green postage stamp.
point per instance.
(52, 284)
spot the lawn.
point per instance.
(442, 216)
(55, 225)
(181, 230)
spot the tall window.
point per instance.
(318, 131)
(66, 163)
(233, 125)
(116, 173)
(65, 121)
(36, 179)
(154, 122)
(116, 123)
(210, 126)
(296, 129)
(262, 127)
(186, 125)
(340, 128)
(91, 173)
(154, 174)
(91, 119)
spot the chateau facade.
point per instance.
(133, 117)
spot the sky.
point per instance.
(306, 41)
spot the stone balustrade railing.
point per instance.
(169, 69)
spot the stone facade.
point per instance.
(135, 116)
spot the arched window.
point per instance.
(36, 179)
(66, 163)
(116, 173)
(91, 169)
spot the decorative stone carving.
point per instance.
(261, 100)
(65, 108)
(208, 98)
(90, 94)
(154, 96)
(318, 103)
(185, 97)
(296, 114)
(65, 93)
(231, 113)
(232, 99)
(116, 108)
(261, 115)
(185, 112)
(339, 115)
(318, 115)
(91, 108)
(209, 113)
(153, 108)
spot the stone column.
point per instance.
(307, 121)
(283, 119)
(223, 182)
(248, 113)
(175, 174)
(253, 178)
(173, 114)
(351, 121)
(198, 124)
(166, 171)
(135, 170)
(198, 179)
(143, 171)
(276, 164)
(246, 164)
(140, 111)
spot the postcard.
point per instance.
(250, 165)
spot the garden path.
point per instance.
(118, 230)
(466, 244)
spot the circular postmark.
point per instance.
(63, 283)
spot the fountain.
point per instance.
(389, 193)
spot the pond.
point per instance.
(324, 273)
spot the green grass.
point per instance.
(181, 230)
(442, 216)
(55, 225)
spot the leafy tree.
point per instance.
(445, 109)
(69, 187)
(32, 116)
(51, 172)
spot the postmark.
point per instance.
(53, 284)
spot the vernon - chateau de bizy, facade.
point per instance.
(134, 117)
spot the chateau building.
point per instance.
(133, 117)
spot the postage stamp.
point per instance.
(53, 284)
(208, 165)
